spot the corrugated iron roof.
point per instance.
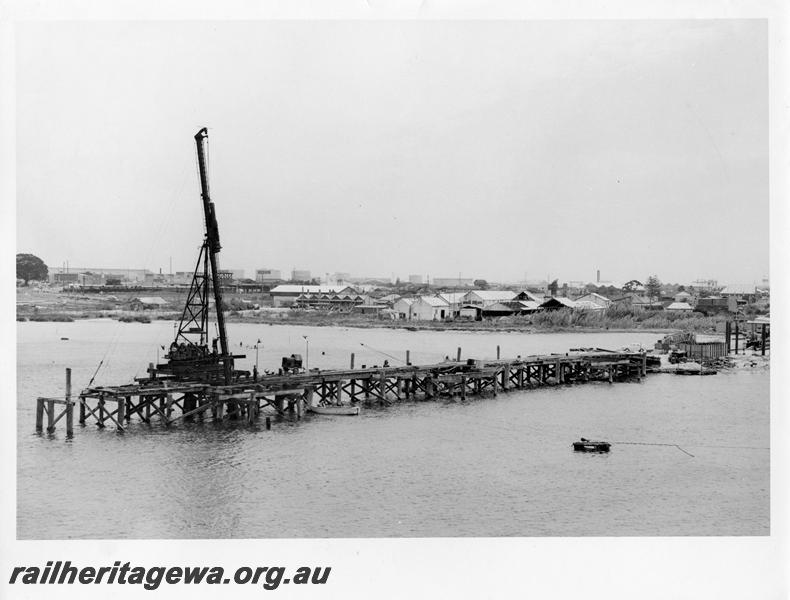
(588, 305)
(739, 289)
(680, 306)
(150, 300)
(433, 301)
(310, 289)
(562, 300)
(493, 294)
(452, 297)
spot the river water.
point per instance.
(483, 467)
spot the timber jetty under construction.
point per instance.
(200, 381)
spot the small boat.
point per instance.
(585, 445)
(334, 410)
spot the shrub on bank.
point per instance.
(51, 318)
(134, 319)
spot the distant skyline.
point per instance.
(491, 148)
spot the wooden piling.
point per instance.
(736, 336)
(268, 422)
(497, 352)
(352, 361)
(762, 340)
(50, 416)
(40, 414)
(408, 362)
(458, 355)
(169, 408)
(101, 411)
(120, 415)
(308, 397)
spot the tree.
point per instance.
(481, 284)
(30, 267)
(632, 285)
(653, 287)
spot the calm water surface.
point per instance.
(484, 467)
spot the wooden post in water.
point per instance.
(252, 409)
(762, 340)
(82, 410)
(497, 352)
(644, 364)
(40, 414)
(120, 415)
(408, 362)
(50, 416)
(352, 360)
(69, 406)
(458, 355)
(736, 336)
(309, 397)
(727, 337)
(169, 408)
(463, 387)
(101, 411)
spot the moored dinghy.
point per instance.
(585, 445)
(334, 410)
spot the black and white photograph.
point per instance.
(312, 304)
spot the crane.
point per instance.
(189, 356)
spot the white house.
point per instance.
(593, 301)
(402, 306)
(286, 295)
(487, 297)
(430, 308)
(146, 302)
(680, 307)
(453, 299)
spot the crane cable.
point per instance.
(384, 353)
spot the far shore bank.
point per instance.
(352, 321)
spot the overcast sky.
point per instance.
(493, 149)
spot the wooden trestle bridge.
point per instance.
(154, 399)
